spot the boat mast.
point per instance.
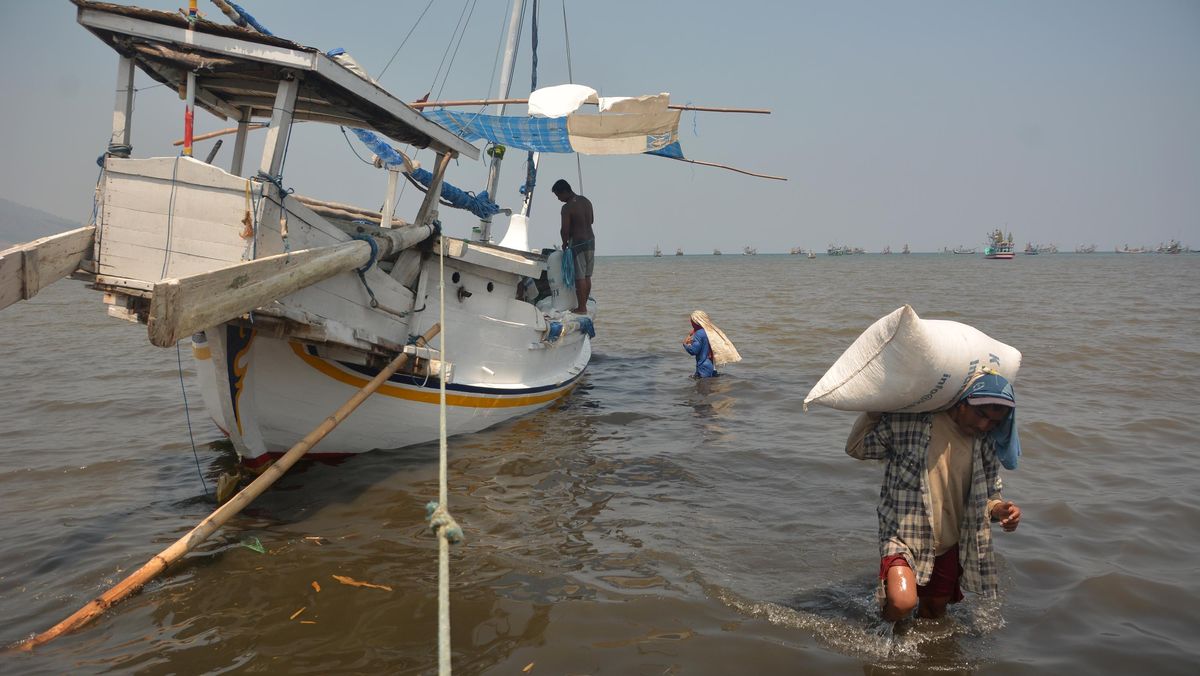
(515, 19)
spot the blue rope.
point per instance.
(276, 181)
(362, 272)
(374, 252)
(188, 415)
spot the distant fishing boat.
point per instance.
(1091, 248)
(716, 252)
(1127, 250)
(749, 251)
(833, 250)
(964, 250)
(905, 249)
(1030, 249)
(1173, 248)
(999, 246)
(657, 252)
(679, 252)
(886, 250)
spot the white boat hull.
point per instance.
(266, 394)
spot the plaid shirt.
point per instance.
(904, 504)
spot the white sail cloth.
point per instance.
(723, 350)
(559, 100)
(627, 125)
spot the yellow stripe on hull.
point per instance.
(428, 397)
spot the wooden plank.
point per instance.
(181, 307)
(123, 106)
(28, 268)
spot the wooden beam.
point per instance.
(239, 142)
(181, 307)
(428, 211)
(28, 268)
(123, 109)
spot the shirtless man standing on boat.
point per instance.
(576, 233)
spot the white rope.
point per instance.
(443, 541)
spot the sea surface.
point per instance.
(648, 523)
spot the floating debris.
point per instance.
(358, 583)
(254, 544)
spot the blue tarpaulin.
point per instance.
(539, 134)
(479, 204)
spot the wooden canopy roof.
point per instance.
(238, 69)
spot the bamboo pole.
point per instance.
(223, 513)
(725, 166)
(421, 105)
(489, 102)
(219, 132)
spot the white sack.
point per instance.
(905, 363)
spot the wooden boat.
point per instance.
(292, 303)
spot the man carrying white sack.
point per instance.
(941, 487)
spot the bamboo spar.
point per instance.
(223, 513)
(422, 105)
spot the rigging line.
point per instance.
(571, 79)
(567, 36)
(483, 157)
(492, 83)
(405, 40)
(351, 145)
(438, 73)
(461, 35)
(187, 414)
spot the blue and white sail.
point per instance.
(623, 125)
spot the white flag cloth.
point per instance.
(559, 100)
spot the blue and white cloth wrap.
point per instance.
(996, 386)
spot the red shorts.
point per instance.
(943, 581)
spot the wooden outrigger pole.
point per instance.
(224, 513)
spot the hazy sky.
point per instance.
(1064, 121)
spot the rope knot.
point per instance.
(442, 523)
(276, 181)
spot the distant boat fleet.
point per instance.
(999, 246)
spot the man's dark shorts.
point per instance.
(585, 258)
(943, 581)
